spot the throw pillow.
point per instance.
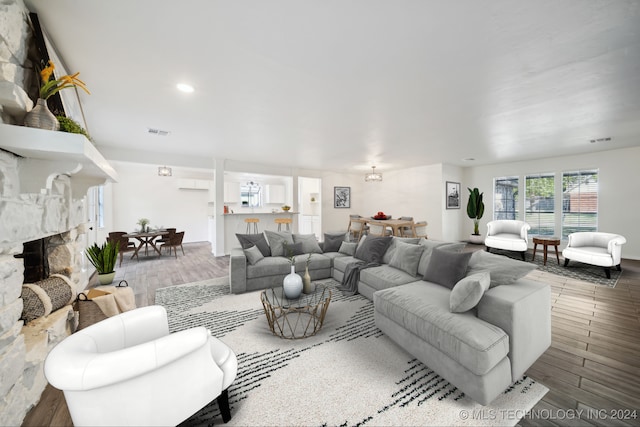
(332, 241)
(467, 293)
(276, 241)
(309, 243)
(248, 240)
(293, 249)
(504, 271)
(446, 268)
(372, 248)
(348, 248)
(391, 250)
(429, 245)
(253, 254)
(406, 257)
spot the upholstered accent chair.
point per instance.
(129, 370)
(595, 248)
(508, 234)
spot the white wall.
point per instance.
(618, 203)
(141, 193)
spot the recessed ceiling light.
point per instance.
(183, 87)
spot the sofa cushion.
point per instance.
(333, 255)
(342, 262)
(447, 268)
(276, 241)
(406, 257)
(423, 309)
(332, 241)
(253, 254)
(385, 276)
(429, 245)
(309, 243)
(248, 240)
(391, 250)
(372, 249)
(269, 266)
(348, 248)
(504, 270)
(315, 262)
(468, 292)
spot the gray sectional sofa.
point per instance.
(480, 330)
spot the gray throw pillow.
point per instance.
(429, 245)
(332, 241)
(391, 250)
(468, 292)
(309, 243)
(446, 268)
(406, 257)
(276, 241)
(372, 248)
(253, 254)
(293, 249)
(348, 248)
(504, 271)
(248, 240)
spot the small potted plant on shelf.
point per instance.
(475, 210)
(103, 258)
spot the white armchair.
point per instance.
(508, 234)
(129, 370)
(595, 248)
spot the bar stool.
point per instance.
(253, 221)
(281, 221)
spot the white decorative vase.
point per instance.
(476, 239)
(308, 286)
(292, 284)
(41, 117)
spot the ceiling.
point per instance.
(343, 85)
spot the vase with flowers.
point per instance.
(292, 283)
(40, 116)
(143, 223)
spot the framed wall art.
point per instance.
(452, 195)
(341, 197)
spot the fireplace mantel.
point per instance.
(47, 154)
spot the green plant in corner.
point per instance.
(71, 126)
(475, 208)
(103, 258)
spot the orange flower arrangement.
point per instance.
(53, 86)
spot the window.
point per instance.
(540, 204)
(579, 201)
(505, 198)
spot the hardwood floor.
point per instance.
(593, 364)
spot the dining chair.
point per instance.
(124, 245)
(421, 229)
(167, 237)
(406, 231)
(357, 227)
(175, 242)
(379, 230)
(116, 235)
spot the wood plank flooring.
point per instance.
(593, 364)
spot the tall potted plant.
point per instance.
(475, 210)
(104, 259)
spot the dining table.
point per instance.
(146, 239)
(396, 225)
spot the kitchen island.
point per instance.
(234, 224)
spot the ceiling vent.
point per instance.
(593, 141)
(158, 132)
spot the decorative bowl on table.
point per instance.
(381, 216)
(286, 208)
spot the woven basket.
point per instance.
(88, 311)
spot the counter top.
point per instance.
(261, 213)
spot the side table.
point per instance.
(546, 242)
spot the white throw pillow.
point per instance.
(468, 292)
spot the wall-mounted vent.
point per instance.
(158, 132)
(593, 141)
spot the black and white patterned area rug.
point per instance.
(575, 270)
(349, 373)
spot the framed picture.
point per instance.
(452, 195)
(341, 197)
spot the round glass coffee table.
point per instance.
(295, 318)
